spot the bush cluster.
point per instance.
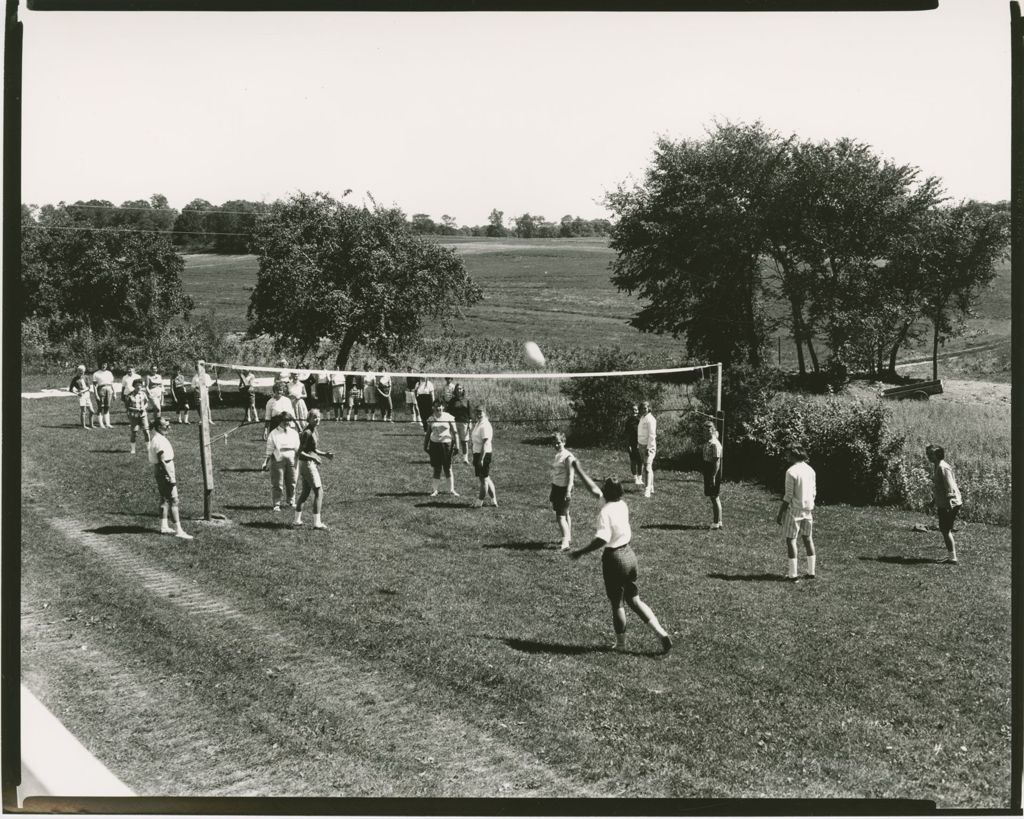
(851, 445)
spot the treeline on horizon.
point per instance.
(202, 227)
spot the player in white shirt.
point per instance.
(796, 514)
(136, 405)
(337, 381)
(128, 385)
(562, 479)
(947, 497)
(208, 382)
(103, 389)
(712, 471)
(647, 442)
(247, 387)
(618, 563)
(439, 442)
(482, 440)
(155, 388)
(80, 387)
(282, 452)
(161, 456)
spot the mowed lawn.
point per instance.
(424, 648)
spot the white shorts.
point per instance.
(309, 473)
(85, 400)
(338, 394)
(793, 528)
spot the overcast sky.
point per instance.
(459, 113)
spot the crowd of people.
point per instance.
(453, 428)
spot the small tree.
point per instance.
(354, 275)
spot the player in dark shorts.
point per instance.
(636, 461)
(309, 472)
(947, 497)
(711, 468)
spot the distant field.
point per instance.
(558, 292)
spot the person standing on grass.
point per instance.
(946, 493)
(277, 405)
(309, 456)
(384, 396)
(562, 480)
(370, 393)
(297, 395)
(440, 442)
(128, 386)
(324, 392)
(354, 395)
(619, 565)
(447, 391)
(207, 381)
(482, 437)
(103, 388)
(636, 462)
(310, 382)
(155, 389)
(281, 452)
(180, 396)
(712, 471)
(138, 418)
(458, 407)
(161, 456)
(80, 387)
(796, 514)
(336, 381)
(410, 399)
(647, 441)
(247, 387)
(424, 399)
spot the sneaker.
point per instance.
(793, 580)
(166, 530)
(715, 526)
(478, 503)
(181, 534)
(638, 480)
(277, 507)
(809, 576)
(666, 644)
(648, 493)
(319, 525)
(564, 546)
(492, 502)
(952, 561)
(433, 494)
(454, 494)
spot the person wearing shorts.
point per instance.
(161, 456)
(155, 389)
(138, 418)
(458, 407)
(562, 479)
(309, 471)
(128, 385)
(410, 400)
(439, 442)
(103, 386)
(424, 399)
(337, 384)
(247, 387)
(353, 395)
(80, 387)
(619, 565)
(796, 514)
(647, 441)
(207, 381)
(711, 469)
(181, 395)
(636, 462)
(369, 393)
(384, 396)
(947, 497)
(482, 439)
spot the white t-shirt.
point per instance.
(160, 449)
(800, 490)
(424, 387)
(441, 428)
(647, 431)
(127, 381)
(613, 524)
(561, 466)
(275, 406)
(206, 378)
(103, 378)
(482, 436)
(283, 443)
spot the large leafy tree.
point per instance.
(354, 275)
(76, 278)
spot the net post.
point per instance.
(205, 447)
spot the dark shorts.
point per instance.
(559, 501)
(168, 492)
(440, 458)
(482, 464)
(618, 566)
(712, 482)
(947, 517)
(183, 400)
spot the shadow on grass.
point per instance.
(899, 560)
(121, 530)
(241, 469)
(779, 578)
(267, 524)
(452, 504)
(110, 451)
(520, 546)
(676, 527)
(541, 647)
(60, 426)
(246, 507)
(400, 494)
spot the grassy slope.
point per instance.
(424, 648)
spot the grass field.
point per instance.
(424, 648)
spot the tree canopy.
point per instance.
(356, 275)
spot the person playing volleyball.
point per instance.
(103, 387)
(282, 448)
(946, 494)
(309, 473)
(796, 514)
(482, 437)
(562, 480)
(440, 442)
(619, 565)
(80, 387)
(161, 456)
(136, 406)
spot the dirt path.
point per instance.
(158, 732)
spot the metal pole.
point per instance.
(718, 395)
(205, 448)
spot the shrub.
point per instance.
(851, 445)
(599, 405)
